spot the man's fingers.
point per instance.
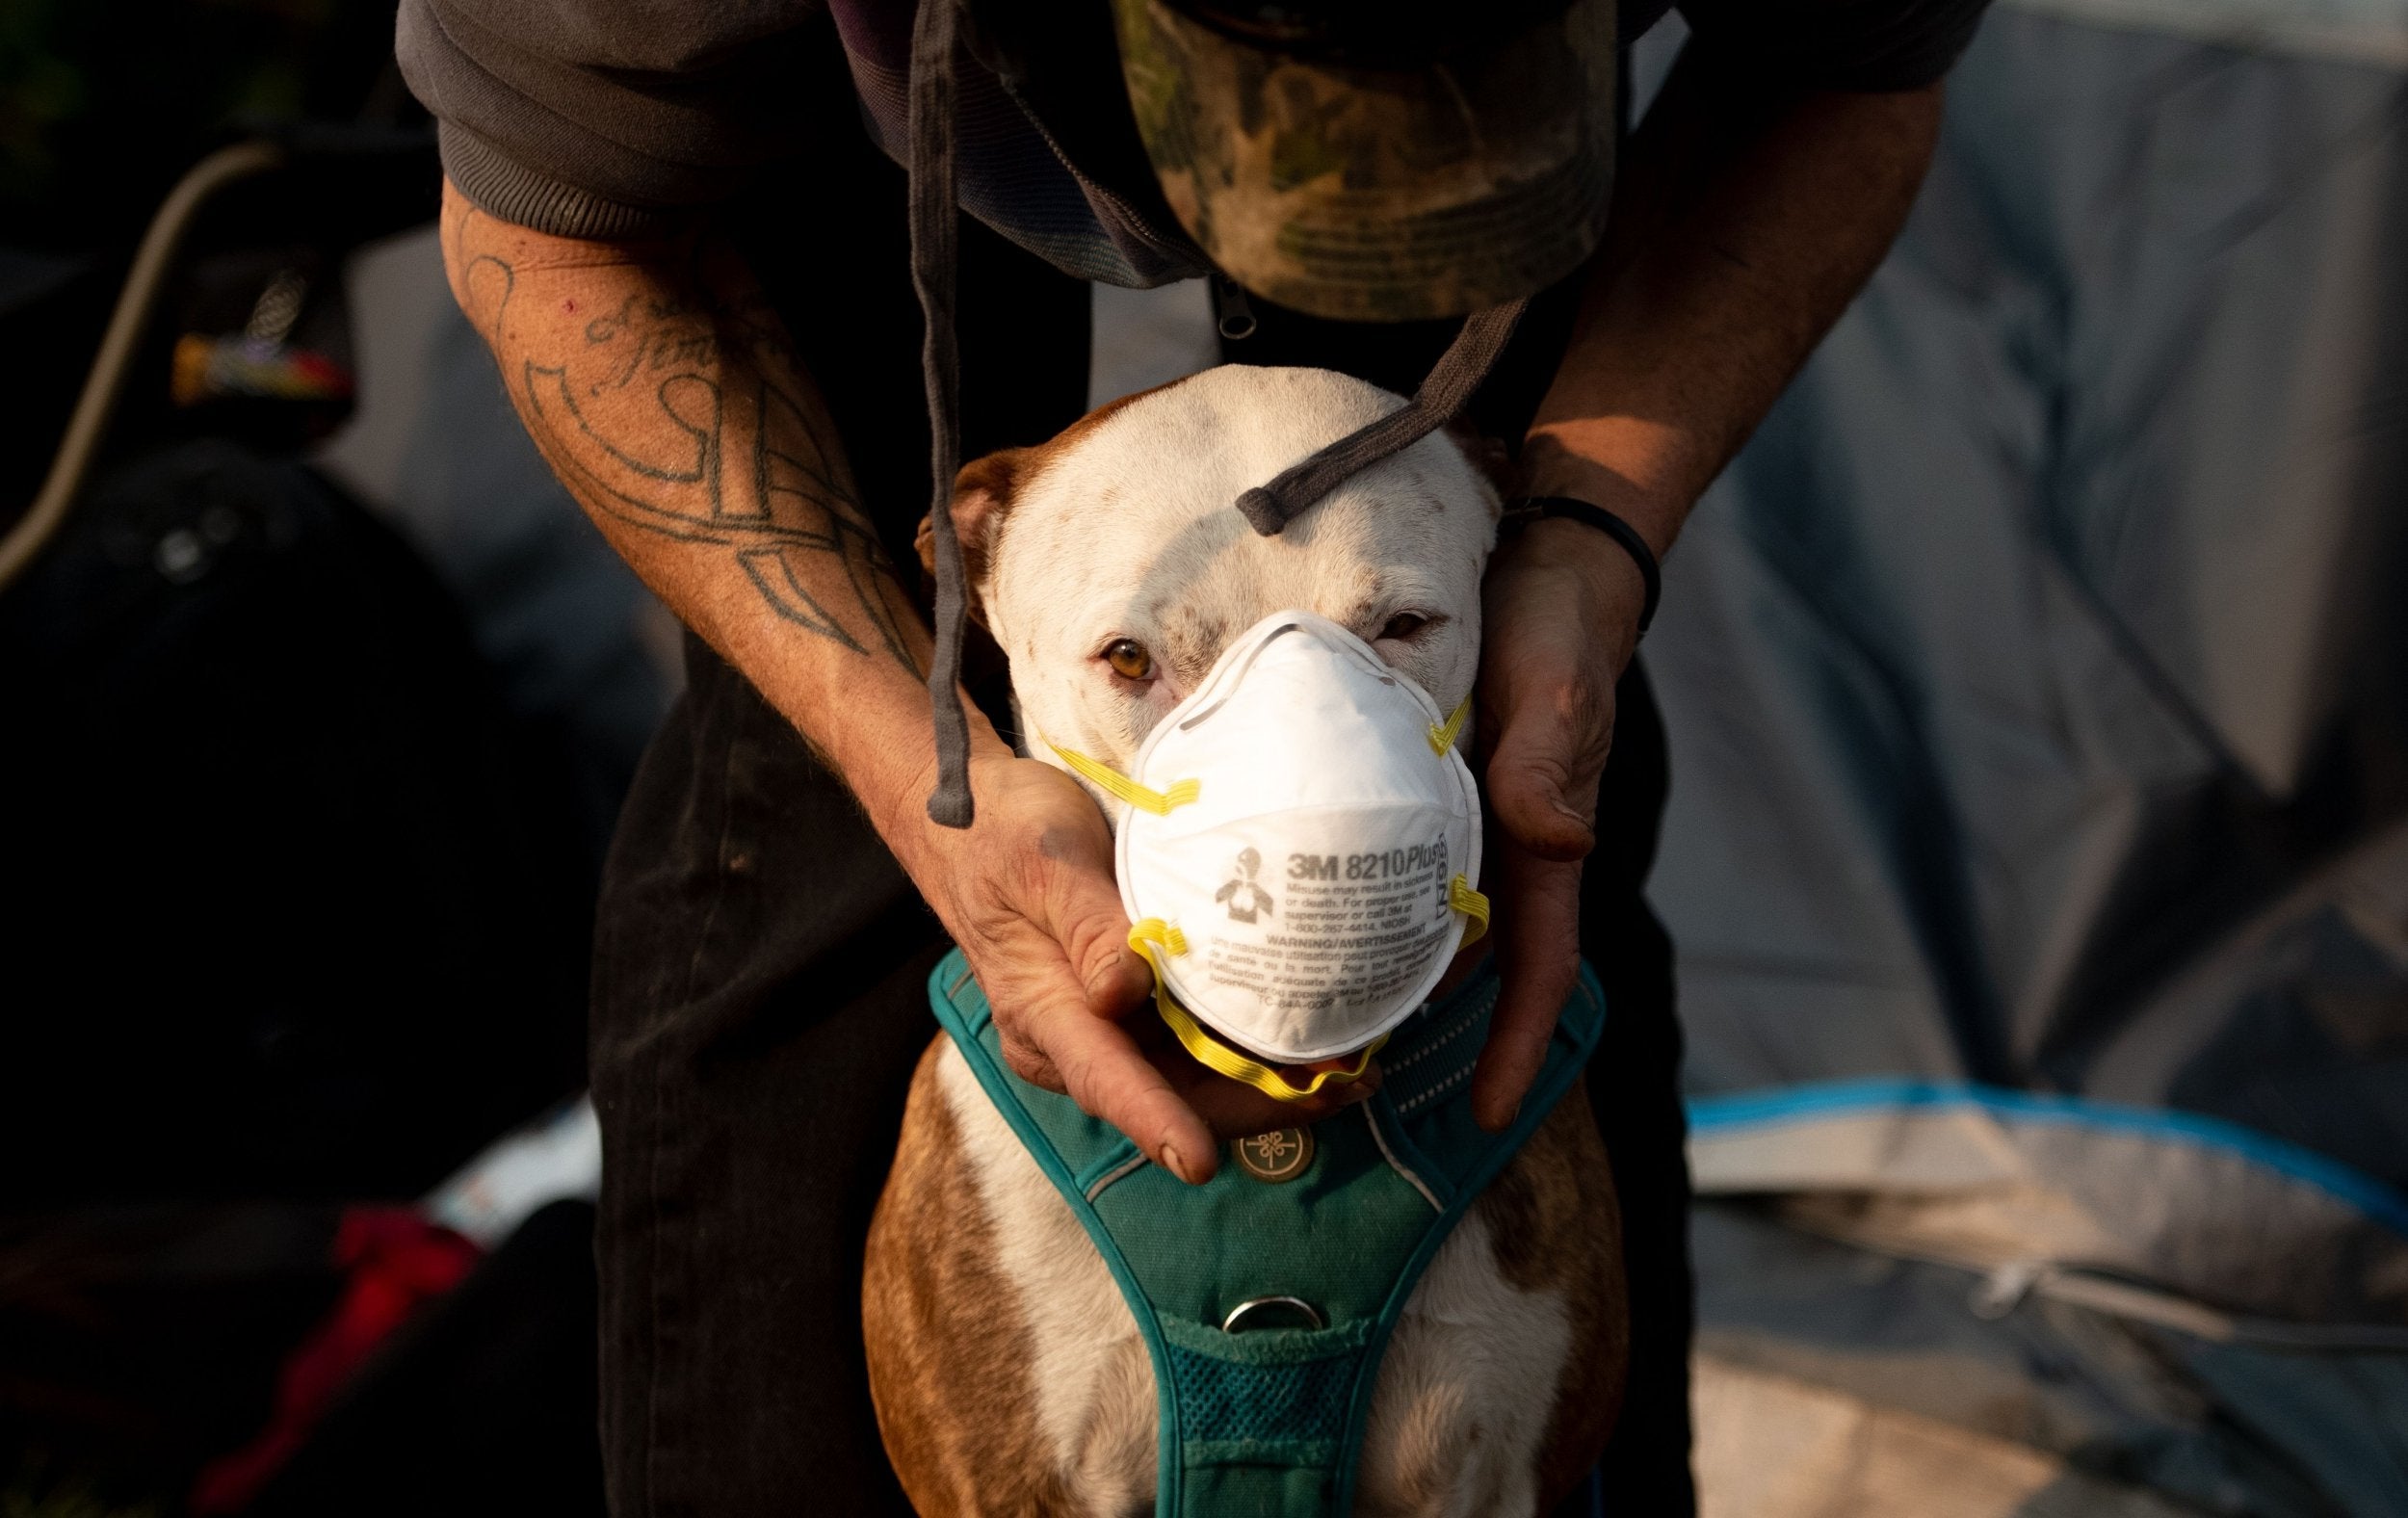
(1517, 1047)
(1562, 615)
(1233, 1109)
(1529, 795)
(1105, 1074)
(1538, 913)
(1543, 765)
(1054, 1039)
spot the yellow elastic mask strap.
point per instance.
(1442, 738)
(1471, 903)
(1121, 786)
(1154, 931)
(1153, 937)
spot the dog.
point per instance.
(1009, 1375)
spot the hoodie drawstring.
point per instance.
(933, 234)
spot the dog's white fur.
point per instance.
(1124, 529)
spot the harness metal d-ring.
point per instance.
(1252, 1304)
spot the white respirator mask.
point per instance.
(1298, 847)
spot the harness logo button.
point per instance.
(1280, 1155)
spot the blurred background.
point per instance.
(2036, 683)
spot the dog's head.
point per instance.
(1113, 567)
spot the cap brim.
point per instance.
(1386, 193)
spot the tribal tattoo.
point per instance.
(668, 413)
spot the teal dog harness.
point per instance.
(1324, 1230)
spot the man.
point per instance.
(689, 263)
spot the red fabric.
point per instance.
(397, 1260)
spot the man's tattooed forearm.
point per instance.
(687, 468)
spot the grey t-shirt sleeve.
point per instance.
(604, 118)
(1843, 44)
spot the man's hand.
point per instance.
(1028, 894)
(1744, 217)
(1561, 622)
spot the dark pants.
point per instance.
(759, 1002)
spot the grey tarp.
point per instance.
(2037, 685)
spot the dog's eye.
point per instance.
(1129, 659)
(1404, 624)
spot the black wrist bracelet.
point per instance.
(1535, 507)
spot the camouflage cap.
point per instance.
(1380, 188)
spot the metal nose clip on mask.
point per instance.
(1299, 845)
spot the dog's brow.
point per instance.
(1193, 638)
(1373, 591)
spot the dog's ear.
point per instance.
(982, 494)
(1488, 455)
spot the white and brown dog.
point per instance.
(1009, 1375)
